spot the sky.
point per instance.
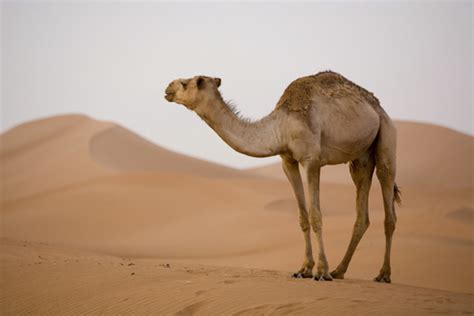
(113, 60)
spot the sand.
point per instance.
(46, 280)
(81, 197)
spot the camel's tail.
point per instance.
(385, 156)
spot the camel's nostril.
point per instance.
(169, 96)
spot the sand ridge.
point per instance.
(120, 149)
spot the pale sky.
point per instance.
(112, 61)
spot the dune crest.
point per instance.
(47, 154)
(123, 150)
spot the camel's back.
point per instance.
(299, 95)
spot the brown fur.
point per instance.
(298, 96)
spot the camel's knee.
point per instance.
(315, 220)
(304, 223)
(361, 225)
(385, 172)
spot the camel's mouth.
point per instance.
(169, 96)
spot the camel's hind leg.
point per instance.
(362, 171)
(385, 157)
(292, 172)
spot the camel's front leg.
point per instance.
(316, 220)
(291, 169)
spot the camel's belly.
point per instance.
(336, 154)
(348, 133)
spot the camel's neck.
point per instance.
(258, 139)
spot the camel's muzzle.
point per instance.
(169, 96)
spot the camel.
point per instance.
(322, 119)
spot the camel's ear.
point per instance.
(218, 82)
(200, 82)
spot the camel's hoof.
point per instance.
(322, 277)
(302, 275)
(383, 278)
(337, 275)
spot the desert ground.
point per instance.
(97, 220)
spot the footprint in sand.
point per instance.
(322, 298)
(191, 309)
(230, 281)
(286, 309)
(359, 301)
(289, 308)
(255, 310)
(200, 292)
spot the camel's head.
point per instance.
(189, 92)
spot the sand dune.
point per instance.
(428, 155)
(54, 152)
(48, 154)
(72, 185)
(121, 149)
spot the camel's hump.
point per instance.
(298, 95)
